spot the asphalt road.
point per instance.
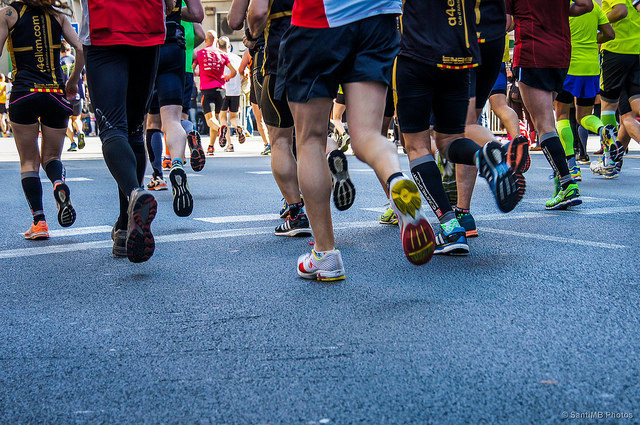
(538, 325)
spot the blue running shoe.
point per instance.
(492, 165)
(453, 243)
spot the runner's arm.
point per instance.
(258, 16)
(234, 72)
(193, 11)
(617, 13)
(198, 34)
(69, 34)
(246, 58)
(580, 7)
(237, 13)
(605, 33)
(8, 18)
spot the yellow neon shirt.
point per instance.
(627, 39)
(585, 58)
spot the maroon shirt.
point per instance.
(543, 37)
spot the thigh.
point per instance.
(143, 65)
(452, 100)
(218, 98)
(275, 112)
(233, 103)
(487, 73)
(171, 75)
(415, 87)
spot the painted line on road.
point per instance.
(553, 238)
(238, 218)
(259, 172)
(75, 179)
(79, 231)
(254, 231)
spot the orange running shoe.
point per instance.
(38, 230)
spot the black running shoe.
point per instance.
(119, 238)
(142, 210)
(491, 162)
(344, 192)
(197, 153)
(298, 226)
(182, 199)
(66, 213)
(455, 243)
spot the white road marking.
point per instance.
(239, 218)
(259, 172)
(74, 179)
(552, 238)
(74, 231)
(542, 201)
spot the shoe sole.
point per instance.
(294, 232)
(418, 239)
(197, 153)
(159, 188)
(519, 161)
(323, 275)
(81, 142)
(182, 199)
(566, 204)
(66, 212)
(344, 192)
(38, 236)
(140, 243)
(471, 233)
(222, 141)
(390, 223)
(453, 249)
(117, 250)
(241, 137)
(499, 176)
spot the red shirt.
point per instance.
(129, 22)
(543, 37)
(212, 62)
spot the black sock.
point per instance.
(55, 170)
(391, 177)
(294, 209)
(427, 176)
(554, 151)
(141, 161)
(33, 192)
(123, 218)
(462, 151)
(154, 149)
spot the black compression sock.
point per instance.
(427, 176)
(121, 224)
(154, 149)
(121, 161)
(33, 192)
(462, 151)
(55, 170)
(294, 209)
(554, 151)
(141, 161)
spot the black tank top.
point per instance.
(278, 22)
(34, 45)
(491, 20)
(175, 30)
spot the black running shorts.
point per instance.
(53, 109)
(169, 87)
(547, 79)
(484, 76)
(619, 71)
(213, 97)
(76, 105)
(188, 92)
(423, 89)
(357, 52)
(276, 113)
(257, 78)
(231, 104)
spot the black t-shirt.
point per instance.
(440, 32)
(491, 20)
(175, 30)
(278, 22)
(34, 44)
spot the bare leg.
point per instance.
(507, 115)
(176, 136)
(261, 125)
(283, 164)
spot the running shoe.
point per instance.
(583, 159)
(66, 213)
(210, 150)
(119, 238)
(157, 183)
(609, 171)
(197, 153)
(73, 147)
(619, 165)
(344, 192)
(81, 142)
(467, 221)
(327, 268)
(182, 199)
(491, 162)
(298, 226)
(454, 243)
(284, 211)
(566, 198)
(141, 212)
(37, 231)
(519, 161)
(418, 240)
(241, 136)
(389, 217)
(222, 136)
(576, 174)
(267, 150)
(448, 172)
(609, 138)
(229, 148)
(166, 163)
